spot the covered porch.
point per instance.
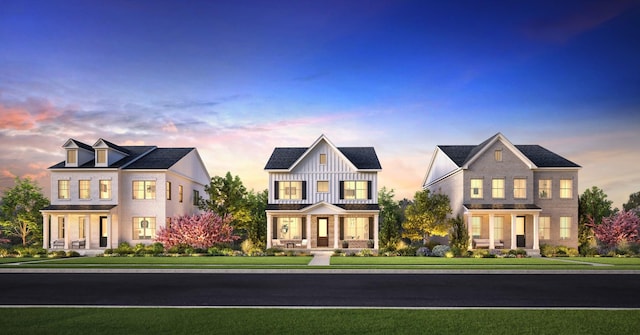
(322, 226)
(83, 228)
(500, 226)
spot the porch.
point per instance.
(85, 229)
(503, 227)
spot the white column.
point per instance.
(514, 245)
(308, 237)
(45, 231)
(87, 231)
(470, 230)
(109, 237)
(269, 228)
(376, 223)
(491, 231)
(67, 232)
(336, 231)
(536, 227)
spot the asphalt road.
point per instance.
(370, 290)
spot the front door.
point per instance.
(103, 231)
(520, 241)
(323, 232)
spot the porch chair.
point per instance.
(58, 244)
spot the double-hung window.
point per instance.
(544, 188)
(105, 189)
(476, 226)
(497, 188)
(544, 227)
(566, 188)
(519, 188)
(476, 188)
(498, 228)
(565, 227)
(83, 189)
(144, 189)
(289, 228)
(356, 228)
(63, 189)
(355, 189)
(290, 190)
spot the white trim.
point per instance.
(499, 137)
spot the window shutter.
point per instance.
(369, 190)
(342, 228)
(276, 190)
(371, 228)
(274, 230)
(304, 190)
(304, 227)
(341, 189)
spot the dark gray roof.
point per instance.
(501, 206)
(359, 207)
(160, 158)
(362, 157)
(349, 207)
(82, 145)
(78, 207)
(116, 147)
(540, 156)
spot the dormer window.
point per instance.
(72, 156)
(101, 156)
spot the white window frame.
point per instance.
(544, 228)
(167, 190)
(289, 228)
(519, 191)
(105, 189)
(476, 226)
(497, 155)
(545, 190)
(64, 193)
(477, 188)
(141, 231)
(290, 190)
(566, 188)
(356, 228)
(498, 227)
(148, 191)
(101, 156)
(497, 190)
(322, 186)
(356, 189)
(72, 156)
(565, 227)
(84, 193)
(323, 159)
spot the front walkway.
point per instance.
(321, 258)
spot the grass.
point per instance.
(314, 321)
(164, 262)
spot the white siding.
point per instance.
(441, 166)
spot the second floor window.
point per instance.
(544, 188)
(355, 189)
(144, 189)
(323, 186)
(168, 190)
(497, 188)
(476, 188)
(63, 189)
(566, 188)
(180, 193)
(290, 190)
(83, 189)
(105, 189)
(519, 188)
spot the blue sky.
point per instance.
(237, 78)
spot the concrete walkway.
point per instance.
(322, 258)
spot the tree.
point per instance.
(459, 237)
(198, 231)
(20, 211)
(256, 227)
(593, 206)
(617, 228)
(633, 204)
(390, 213)
(427, 216)
(227, 197)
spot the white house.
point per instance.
(511, 196)
(322, 196)
(105, 194)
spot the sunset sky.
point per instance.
(237, 78)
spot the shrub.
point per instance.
(157, 248)
(255, 251)
(108, 251)
(123, 248)
(423, 251)
(440, 250)
(547, 250)
(72, 253)
(406, 251)
(365, 253)
(58, 254)
(198, 231)
(480, 253)
(246, 246)
(337, 252)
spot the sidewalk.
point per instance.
(321, 258)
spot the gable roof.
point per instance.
(160, 158)
(112, 146)
(362, 158)
(78, 144)
(541, 157)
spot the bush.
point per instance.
(123, 248)
(72, 253)
(246, 246)
(58, 254)
(407, 251)
(440, 250)
(337, 252)
(480, 253)
(157, 248)
(108, 251)
(423, 251)
(365, 253)
(547, 250)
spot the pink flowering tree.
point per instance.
(623, 227)
(198, 231)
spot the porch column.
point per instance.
(514, 245)
(336, 231)
(470, 230)
(109, 237)
(87, 231)
(308, 237)
(491, 232)
(376, 224)
(67, 232)
(536, 225)
(269, 228)
(45, 231)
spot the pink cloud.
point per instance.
(27, 115)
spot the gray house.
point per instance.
(511, 196)
(323, 196)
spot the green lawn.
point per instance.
(175, 262)
(98, 321)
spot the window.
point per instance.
(565, 227)
(105, 189)
(144, 228)
(167, 223)
(72, 156)
(356, 229)
(498, 228)
(81, 228)
(180, 193)
(544, 188)
(323, 186)
(544, 228)
(476, 226)
(323, 159)
(476, 188)
(196, 197)
(289, 228)
(83, 189)
(144, 189)
(101, 156)
(356, 189)
(63, 189)
(519, 188)
(566, 188)
(60, 226)
(497, 188)
(290, 190)
(168, 190)
(498, 155)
